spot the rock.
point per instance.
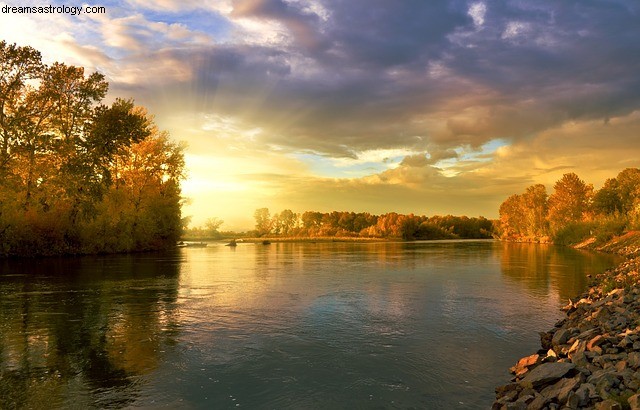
(579, 359)
(537, 403)
(608, 405)
(545, 340)
(573, 401)
(595, 341)
(561, 389)
(560, 337)
(634, 402)
(620, 366)
(502, 390)
(585, 392)
(579, 346)
(545, 373)
(633, 360)
(523, 364)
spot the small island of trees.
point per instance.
(78, 176)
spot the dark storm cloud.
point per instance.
(381, 74)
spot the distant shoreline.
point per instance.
(325, 239)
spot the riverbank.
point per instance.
(591, 358)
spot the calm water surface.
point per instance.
(430, 325)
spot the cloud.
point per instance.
(342, 81)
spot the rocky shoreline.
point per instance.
(591, 358)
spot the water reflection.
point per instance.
(82, 331)
(547, 268)
(324, 325)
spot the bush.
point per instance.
(574, 233)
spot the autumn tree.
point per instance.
(569, 202)
(512, 219)
(264, 223)
(212, 226)
(535, 209)
(629, 189)
(77, 176)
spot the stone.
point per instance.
(608, 405)
(579, 346)
(579, 359)
(620, 366)
(545, 340)
(585, 392)
(595, 341)
(537, 403)
(561, 389)
(634, 402)
(523, 364)
(573, 401)
(545, 373)
(560, 337)
(502, 390)
(633, 360)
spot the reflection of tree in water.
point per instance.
(81, 331)
(546, 268)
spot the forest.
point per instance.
(574, 211)
(312, 224)
(78, 176)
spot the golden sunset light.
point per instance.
(302, 105)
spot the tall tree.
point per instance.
(535, 208)
(264, 223)
(570, 201)
(18, 65)
(512, 219)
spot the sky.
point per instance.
(413, 106)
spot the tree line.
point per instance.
(365, 225)
(574, 211)
(76, 175)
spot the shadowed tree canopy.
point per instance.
(77, 176)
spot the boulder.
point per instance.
(634, 402)
(546, 373)
(633, 360)
(561, 389)
(608, 405)
(560, 337)
(595, 341)
(585, 392)
(523, 364)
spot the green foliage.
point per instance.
(574, 233)
(77, 176)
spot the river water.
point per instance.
(431, 325)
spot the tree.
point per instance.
(18, 65)
(212, 225)
(569, 202)
(286, 221)
(512, 220)
(264, 224)
(629, 188)
(535, 208)
(607, 199)
(61, 152)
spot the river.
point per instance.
(432, 325)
